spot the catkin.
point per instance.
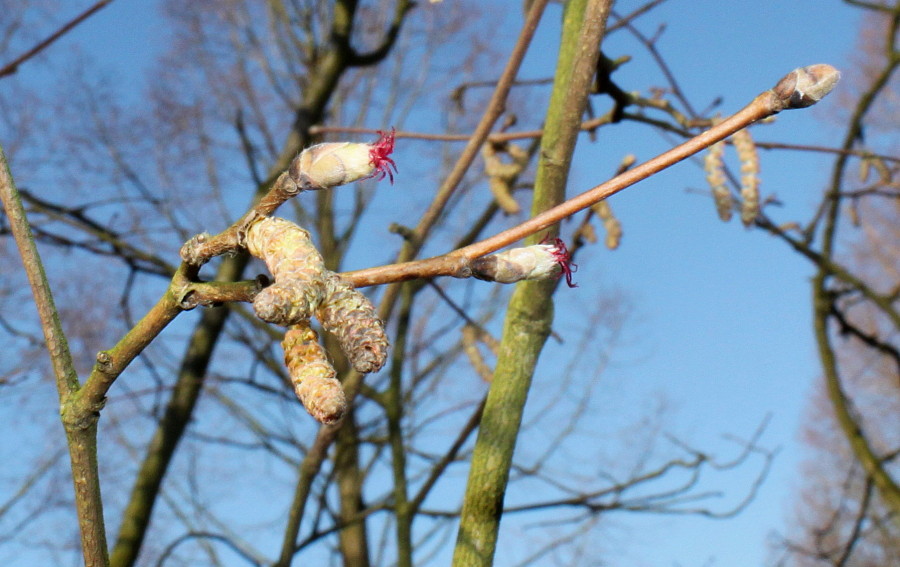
(470, 347)
(295, 263)
(714, 165)
(746, 150)
(303, 287)
(611, 224)
(502, 175)
(312, 375)
(351, 317)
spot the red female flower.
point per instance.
(378, 156)
(563, 258)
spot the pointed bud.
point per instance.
(807, 85)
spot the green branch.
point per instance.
(79, 419)
(530, 312)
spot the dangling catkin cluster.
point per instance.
(714, 165)
(311, 374)
(749, 157)
(502, 175)
(303, 288)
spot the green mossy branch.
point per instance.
(79, 413)
(530, 312)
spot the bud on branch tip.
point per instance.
(806, 86)
(549, 259)
(331, 164)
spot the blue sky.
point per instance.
(725, 316)
(721, 326)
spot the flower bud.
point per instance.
(539, 262)
(806, 86)
(328, 165)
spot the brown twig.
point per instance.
(13, 65)
(787, 94)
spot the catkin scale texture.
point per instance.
(351, 317)
(312, 375)
(714, 164)
(296, 265)
(749, 157)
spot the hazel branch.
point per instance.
(801, 88)
(304, 287)
(318, 167)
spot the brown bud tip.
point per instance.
(806, 86)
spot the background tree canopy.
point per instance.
(648, 416)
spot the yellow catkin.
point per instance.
(749, 157)
(611, 224)
(714, 165)
(470, 347)
(587, 232)
(502, 175)
(351, 317)
(296, 265)
(312, 375)
(303, 287)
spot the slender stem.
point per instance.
(850, 424)
(79, 419)
(394, 411)
(60, 356)
(874, 466)
(762, 106)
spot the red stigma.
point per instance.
(563, 258)
(378, 156)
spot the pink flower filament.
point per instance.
(379, 156)
(563, 258)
